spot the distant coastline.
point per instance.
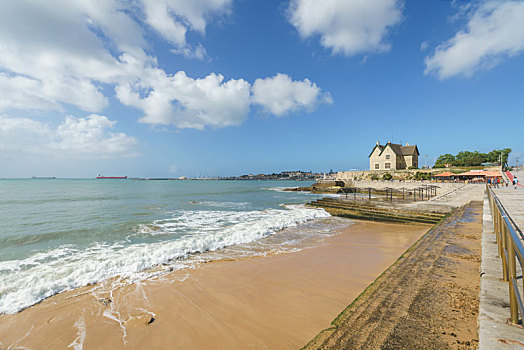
(282, 176)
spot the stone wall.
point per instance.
(405, 174)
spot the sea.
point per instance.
(60, 234)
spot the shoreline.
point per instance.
(221, 302)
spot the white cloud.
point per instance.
(77, 137)
(51, 49)
(173, 18)
(280, 95)
(21, 92)
(349, 27)
(24, 134)
(185, 102)
(56, 53)
(495, 31)
(189, 103)
(197, 52)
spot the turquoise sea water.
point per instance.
(56, 235)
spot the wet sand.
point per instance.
(278, 301)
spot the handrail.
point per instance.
(511, 250)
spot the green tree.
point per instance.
(494, 156)
(422, 176)
(444, 159)
(467, 158)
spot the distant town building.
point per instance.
(392, 156)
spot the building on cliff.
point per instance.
(392, 156)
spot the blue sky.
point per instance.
(225, 87)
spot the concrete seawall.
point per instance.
(428, 299)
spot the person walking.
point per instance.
(515, 182)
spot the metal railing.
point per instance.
(510, 249)
(424, 192)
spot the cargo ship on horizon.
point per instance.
(111, 177)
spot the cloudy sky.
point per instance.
(226, 87)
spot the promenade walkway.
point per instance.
(494, 330)
(513, 201)
(518, 174)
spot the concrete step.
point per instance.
(370, 212)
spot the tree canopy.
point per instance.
(467, 158)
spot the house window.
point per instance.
(388, 165)
(377, 166)
(387, 156)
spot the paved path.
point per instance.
(513, 200)
(494, 330)
(515, 174)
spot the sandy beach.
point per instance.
(277, 301)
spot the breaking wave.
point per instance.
(30, 280)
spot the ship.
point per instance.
(43, 177)
(111, 177)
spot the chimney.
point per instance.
(378, 143)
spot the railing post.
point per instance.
(498, 231)
(512, 270)
(495, 216)
(504, 252)
(501, 232)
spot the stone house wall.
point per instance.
(389, 160)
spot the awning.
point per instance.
(445, 174)
(481, 174)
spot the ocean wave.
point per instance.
(279, 189)
(225, 205)
(28, 281)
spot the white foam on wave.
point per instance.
(226, 205)
(279, 189)
(28, 281)
(78, 343)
